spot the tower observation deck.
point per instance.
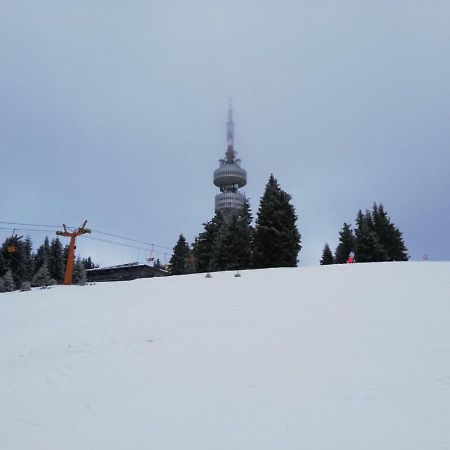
(230, 176)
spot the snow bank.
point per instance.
(336, 357)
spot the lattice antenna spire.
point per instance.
(230, 154)
(230, 126)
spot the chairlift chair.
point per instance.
(151, 258)
(12, 244)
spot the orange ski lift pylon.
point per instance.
(71, 254)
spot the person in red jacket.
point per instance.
(351, 258)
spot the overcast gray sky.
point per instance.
(114, 112)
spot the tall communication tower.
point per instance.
(230, 176)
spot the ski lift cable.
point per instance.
(132, 240)
(87, 237)
(27, 229)
(121, 244)
(30, 224)
(70, 227)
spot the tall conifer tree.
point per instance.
(87, 262)
(276, 239)
(367, 244)
(56, 263)
(42, 255)
(180, 261)
(388, 234)
(79, 273)
(346, 244)
(42, 277)
(233, 245)
(7, 283)
(327, 256)
(203, 246)
(18, 261)
(29, 260)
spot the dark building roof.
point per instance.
(125, 272)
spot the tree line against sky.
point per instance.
(232, 243)
(21, 268)
(374, 239)
(226, 243)
(274, 241)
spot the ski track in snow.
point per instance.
(337, 357)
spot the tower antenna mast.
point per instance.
(230, 126)
(230, 176)
(230, 153)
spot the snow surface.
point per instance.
(335, 357)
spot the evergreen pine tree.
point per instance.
(346, 244)
(79, 273)
(276, 238)
(397, 250)
(190, 265)
(204, 244)
(221, 258)
(5, 257)
(42, 277)
(66, 253)
(25, 286)
(3, 267)
(42, 255)
(327, 256)
(56, 263)
(179, 262)
(17, 261)
(29, 259)
(158, 264)
(87, 262)
(388, 234)
(367, 244)
(7, 284)
(244, 234)
(233, 245)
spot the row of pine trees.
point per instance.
(374, 239)
(232, 243)
(21, 268)
(226, 243)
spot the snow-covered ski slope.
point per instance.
(350, 357)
